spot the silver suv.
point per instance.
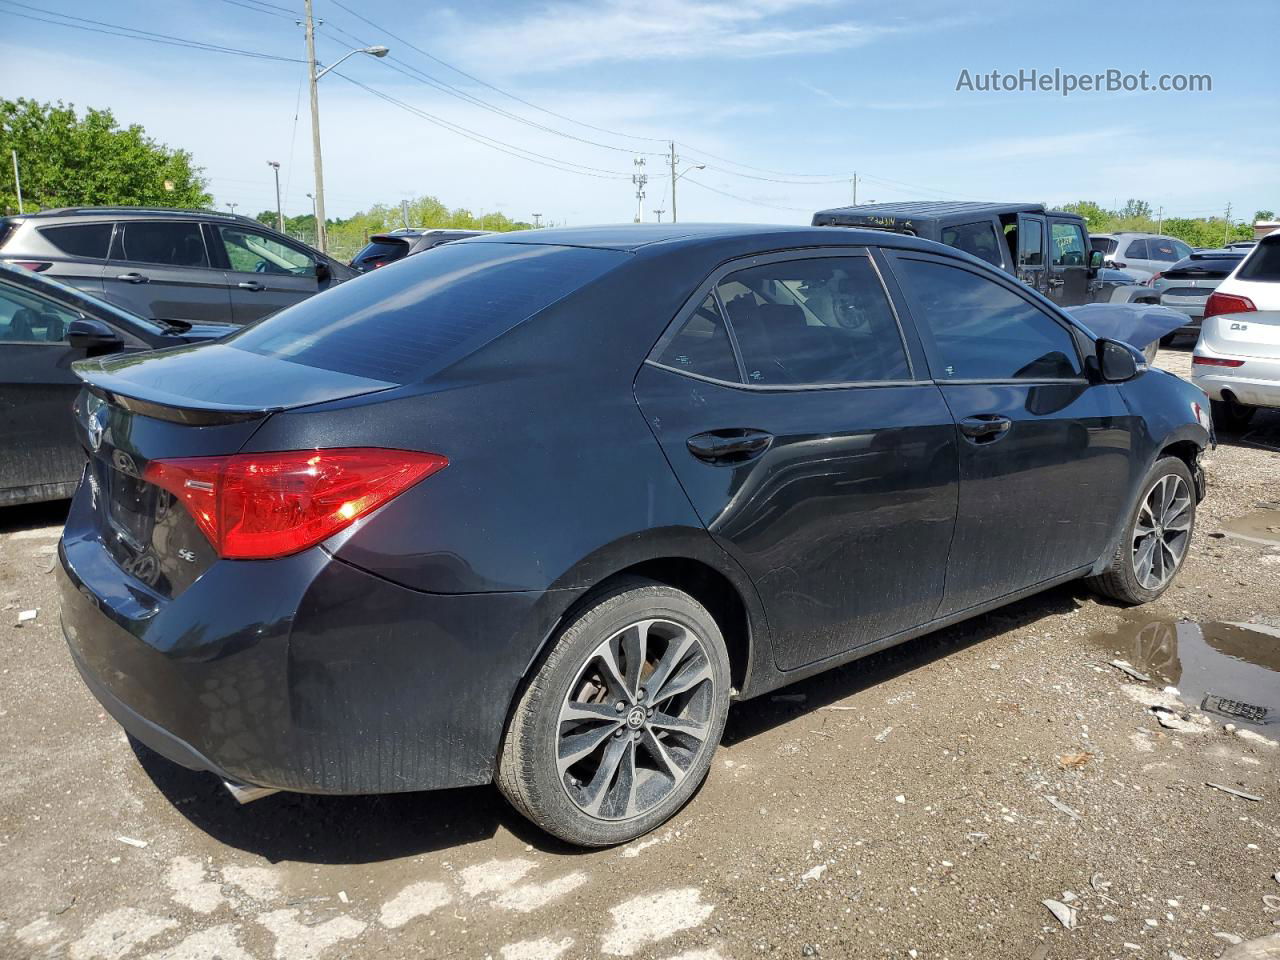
(189, 265)
(1151, 252)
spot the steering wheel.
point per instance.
(260, 267)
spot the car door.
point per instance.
(1043, 451)
(1031, 268)
(811, 446)
(263, 274)
(1068, 279)
(161, 269)
(39, 455)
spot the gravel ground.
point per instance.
(918, 804)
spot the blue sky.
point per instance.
(749, 86)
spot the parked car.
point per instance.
(1237, 358)
(1186, 285)
(1141, 251)
(44, 327)
(1048, 250)
(192, 265)
(384, 248)
(1242, 245)
(535, 507)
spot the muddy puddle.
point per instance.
(1261, 526)
(1231, 671)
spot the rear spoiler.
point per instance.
(214, 383)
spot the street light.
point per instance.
(279, 211)
(315, 112)
(700, 166)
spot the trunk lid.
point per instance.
(1253, 334)
(193, 401)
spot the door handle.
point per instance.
(729, 446)
(134, 277)
(985, 427)
(251, 285)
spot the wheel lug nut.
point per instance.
(649, 712)
(618, 732)
(619, 706)
(642, 694)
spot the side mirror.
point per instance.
(1095, 259)
(93, 336)
(322, 271)
(1119, 362)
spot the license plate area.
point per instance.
(131, 505)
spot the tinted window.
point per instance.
(1263, 263)
(89, 240)
(1162, 250)
(978, 239)
(399, 324)
(1104, 245)
(1181, 248)
(702, 345)
(1137, 250)
(984, 331)
(1066, 244)
(251, 252)
(825, 320)
(27, 318)
(174, 243)
(1031, 243)
(379, 252)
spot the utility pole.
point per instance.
(659, 214)
(1226, 230)
(279, 210)
(1159, 218)
(17, 180)
(674, 178)
(639, 178)
(537, 220)
(855, 188)
(404, 211)
(232, 208)
(315, 126)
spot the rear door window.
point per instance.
(1162, 250)
(702, 346)
(1137, 250)
(399, 325)
(174, 243)
(87, 240)
(978, 239)
(982, 330)
(824, 320)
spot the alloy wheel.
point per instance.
(1162, 532)
(636, 718)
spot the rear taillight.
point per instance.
(35, 266)
(1215, 362)
(1219, 303)
(261, 505)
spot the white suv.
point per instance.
(1237, 359)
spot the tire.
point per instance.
(1129, 578)
(1230, 416)
(659, 745)
(1168, 338)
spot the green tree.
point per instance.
(1135, 210)
(1264, 215)
(68, 160)
(1098, 219)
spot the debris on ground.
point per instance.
(26, 616)
(1066, 915)
(1073, 761)
(1263, 948)
(1062, 807)
(1180, 722)
(140, 844)
(883, 735)
(1237, 709)
(1235, 793)
(1124, 666)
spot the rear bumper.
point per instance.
(1255, 383)
(302, 674)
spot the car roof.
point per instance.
(636, 237)
(149, 213)
(936, 210)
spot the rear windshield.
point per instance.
(1104, 245)
(1198, 265)
(1263, 263)
(380, 251)
(399, 324)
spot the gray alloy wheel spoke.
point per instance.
(576, 746)
(677, 648)
(667, 764)
(628, 728)
(1143, 560)
(1162, 531)
(687, 679)
(689, 726)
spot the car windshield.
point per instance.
(400, 324)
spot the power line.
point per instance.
(734, 196)
(249, 5)
(132, 33)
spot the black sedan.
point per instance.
(44, 327)
(534, 508)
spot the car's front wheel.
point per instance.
(617, 729)
(1156, 537)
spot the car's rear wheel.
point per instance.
(1156, 538)
(1168, 338)
(617, 729)
(1229, 415)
